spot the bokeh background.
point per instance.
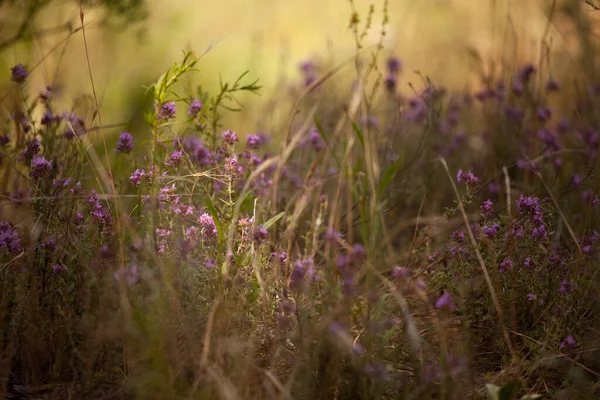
(441, 38)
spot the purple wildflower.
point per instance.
(565, 286)
(260, 234)
(167, 111)
(458, 236)
(174, 159)
(9, 238)
(125, 143)
(59, 268)
(194, 108)
(39, 166)
(568, 343)
(506, 265)
(445, 302)
(469, 178)
(49, 245)
(394, 65)
(253, 141)
(531, 297)
(390, 83)
(230, 137)
(539, 233)
(552, 85)
(544, 113)
(316, 140)
(207, 225)
(491, 231)
(19, 73)
(137, 176)
(400, 272)
(232, 166)
(487, 209)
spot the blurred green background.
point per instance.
(270, 38)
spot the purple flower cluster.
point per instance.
(303, 269)
(194, 108)
(39, 167)
(530, 209)
(253, 141)
(491, 231)
(33, 148)
(394, 66)
(137, 176)
(230, 137)
(125, 143)
(99, 215)
(309, 72)
(9, 238)
(506, 265)
(207, 226)
(487, 209)
(167, 111)
(19, 73)
(445, 301)
(196, 150)
(469, 178)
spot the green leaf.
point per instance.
(532, 397)
(271, 221)
(380, 305)
(359, 133)
(388, 175)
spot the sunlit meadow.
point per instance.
(322, 200)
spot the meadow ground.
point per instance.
(376, 235)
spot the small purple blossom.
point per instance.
(39, 166)
(19, 73)
(49, 245)
(487, 209)
(137, 176)
(316, 140)
(531, 297)
(9, 238)
(565, 286)
(174, 159)
(468, 178)
(544, 113)
(568, 343)
(194, 108)
(167, 111)
(445, 302)
(552, 85)
(491, 231)
(207, 226)
(506, 265)
(253, 141)
(539, 233)
(230, 137)
(260, 234)
(59, 268)
(125, 143)
(394, 65)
